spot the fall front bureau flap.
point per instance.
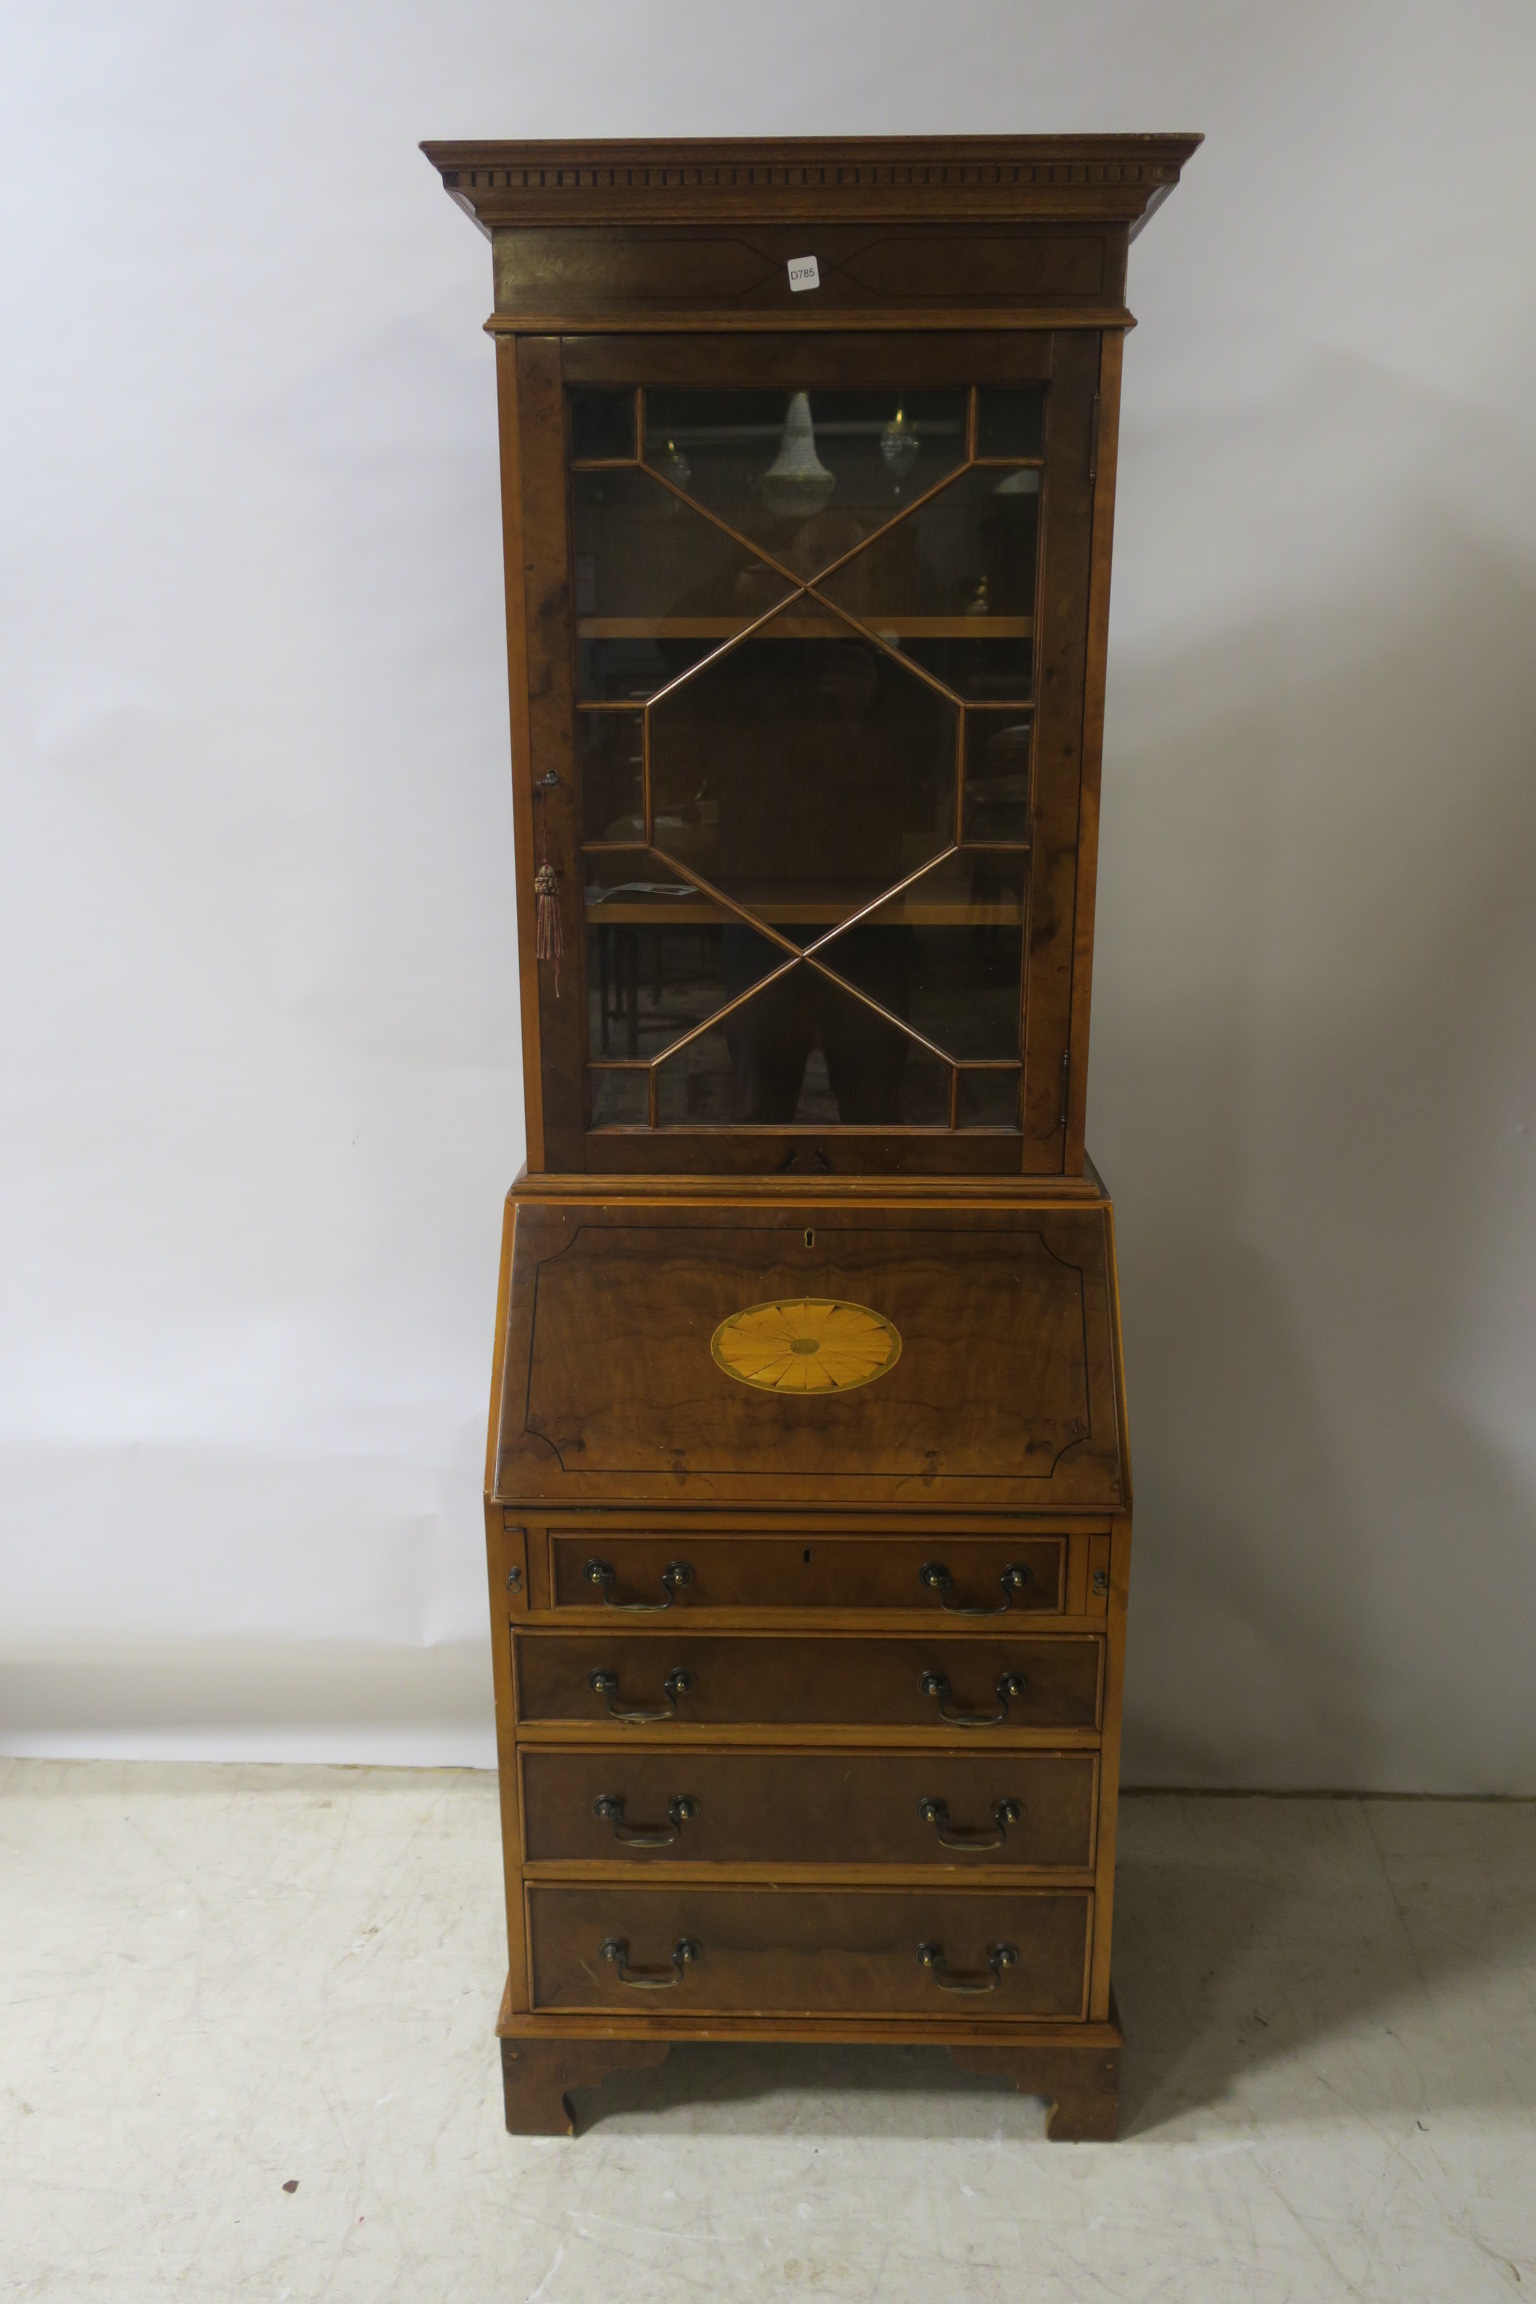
(763, 1352)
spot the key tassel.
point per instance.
(549, 936)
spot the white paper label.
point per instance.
(803, 273)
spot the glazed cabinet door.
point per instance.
(799, 635)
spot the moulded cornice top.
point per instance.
(1079, 179)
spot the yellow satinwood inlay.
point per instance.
(806, 1344)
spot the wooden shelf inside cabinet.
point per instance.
(961, 627)
(808, 1499)
(691, 908)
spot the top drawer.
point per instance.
(931, 1575)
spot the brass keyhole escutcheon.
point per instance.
(806, 1344)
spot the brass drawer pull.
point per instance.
(971, 1838)
(999, 1957)
(675, 1577)
(935, 1577)
(616, 1949)
(678, 1683)
(1009, 1684)
(609, 1808)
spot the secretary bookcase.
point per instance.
(807, 1492)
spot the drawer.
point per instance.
(673, 1950)
(931, 1575)
(657, 1681)
(973, 1810)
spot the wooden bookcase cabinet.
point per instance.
(807, 1493)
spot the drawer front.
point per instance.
(679, 1951)
(659, 1681)
(973, 1810)
(931, 1575)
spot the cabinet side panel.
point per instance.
(499, 1554)
(1109, 1773)
(1110, 362)
(548, 776)
(517, 680)
(1114, 1674)
(1062, 637)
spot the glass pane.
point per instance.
(803, 1052)
(657, 585)
(811, 768)
(660, 957)
(602, 423)
(619, 1099)
(1012, 423)
(612, 775)
(997, 775)
(947, 955)
(807, 475)
(953, 585)
(989, 1100)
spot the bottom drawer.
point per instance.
(685, 1951)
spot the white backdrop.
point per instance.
(260, 1081)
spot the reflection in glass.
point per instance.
(1011, 423)
(953, 584)
(803, 1052)
(947, 954)
(997, 775)
(660, 957)
(989, 1100)
(612, 772)
(797, 483)
(657, 585)
(620, 1099)
(602, 423)
(810, 769)
(742, 447)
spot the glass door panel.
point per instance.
(661, 958)
(952, 583)
(657, 585)
(946, 953)
(810, 768)
(803, 1052)
(805, 628)
(996, 797)
(806, 476)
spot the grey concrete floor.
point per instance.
(219, 1981)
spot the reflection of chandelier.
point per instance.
(899, 445)
(797, 482)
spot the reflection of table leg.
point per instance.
(631, 991)
(604, 985)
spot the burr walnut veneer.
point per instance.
(808, 1494)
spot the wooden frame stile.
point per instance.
(1062, 652)
(524, 866)
(1106, 465)
(550, 775)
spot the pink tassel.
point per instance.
(549, 936)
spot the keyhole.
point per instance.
(806, 1557)
(810, 1239)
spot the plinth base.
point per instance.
(1075, 2068)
